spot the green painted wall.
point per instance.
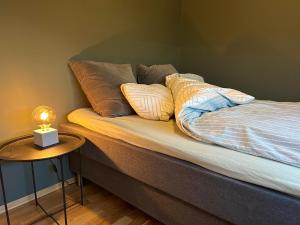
(253, 46)
(37, 37)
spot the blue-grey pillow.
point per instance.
(154, 74)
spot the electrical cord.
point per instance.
(54, 166)
(55, 169)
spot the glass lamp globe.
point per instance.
(43, 116)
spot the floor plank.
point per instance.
(100, 208)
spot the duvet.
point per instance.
(234, 120)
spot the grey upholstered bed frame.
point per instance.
(175, 191)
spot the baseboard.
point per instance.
(40, 193)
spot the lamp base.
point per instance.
(45, 137)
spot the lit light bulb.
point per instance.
(43, 116)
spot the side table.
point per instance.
(22, 149)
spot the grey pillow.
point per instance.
(154, 74)
(101, 84)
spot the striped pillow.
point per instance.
(153, 102)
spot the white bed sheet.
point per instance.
(166, 138)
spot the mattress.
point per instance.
(166, 138)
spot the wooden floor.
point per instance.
(100, 207)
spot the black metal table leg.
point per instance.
(80, 178)
(4, 195)
(63, 189)
(37, 204)
(34, 184)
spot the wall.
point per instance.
(249, 45)
(38, 37)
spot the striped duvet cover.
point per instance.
(236, 121)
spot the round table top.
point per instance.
(24, 149)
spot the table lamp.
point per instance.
(46, 136)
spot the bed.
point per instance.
(178, 180)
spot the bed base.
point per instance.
(155, 203)
(177, 192)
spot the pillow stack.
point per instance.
(150, 98)
(113, 91)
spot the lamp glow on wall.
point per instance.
(46, 136)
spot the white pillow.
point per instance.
(187, 76)
(153, 102)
